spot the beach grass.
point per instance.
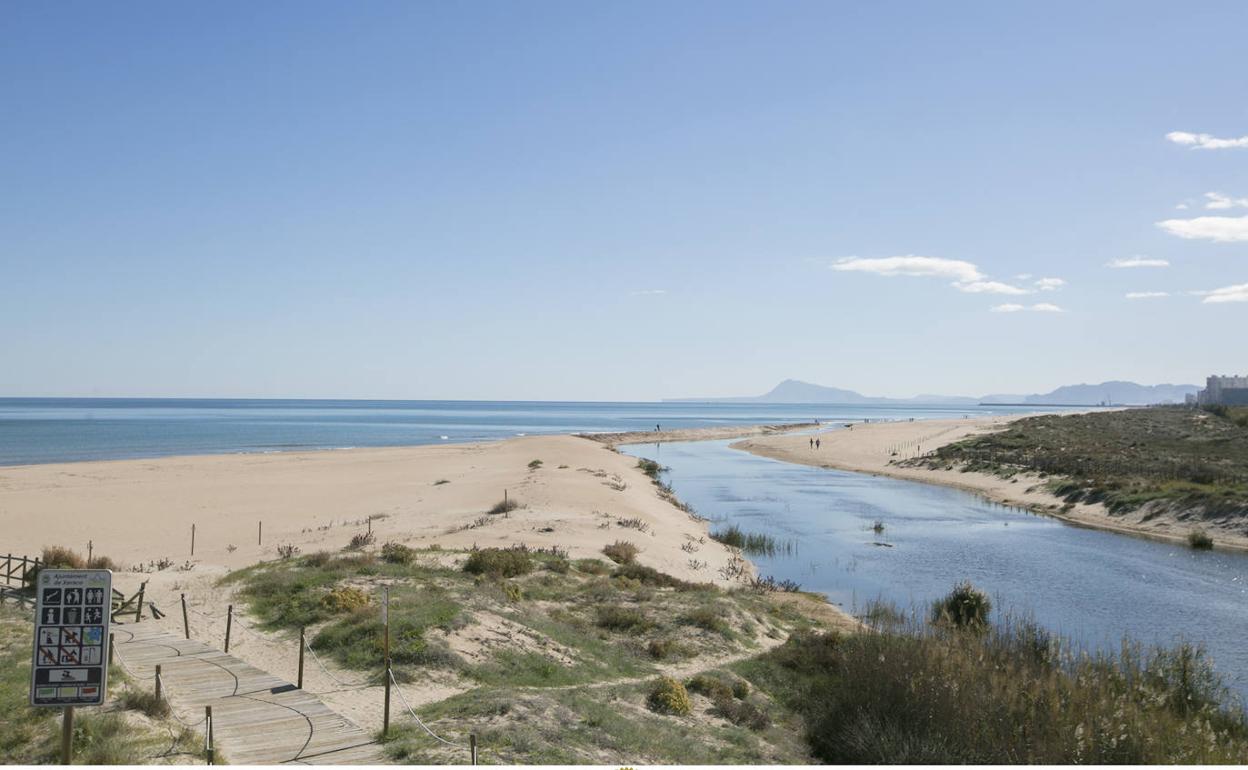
(912, 692)
(102, 736)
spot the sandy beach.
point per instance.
(869, 448)
(580, 497)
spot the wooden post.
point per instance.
(138, 609)
(472, 746)
(302, 644)
(208, 727)
(110, 648)
(229, 621)
(67, 736)
(158, 682)
(260, 533)
(370, 525)
(90, 551)
(192, 540)
(385, 619)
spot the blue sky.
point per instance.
(619, 200)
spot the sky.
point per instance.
(619, 200)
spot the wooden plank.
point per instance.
(257, 718)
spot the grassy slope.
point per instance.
(1193, 460)
(110, 735)
(589, 639)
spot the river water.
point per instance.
(1094, 587)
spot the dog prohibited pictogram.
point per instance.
(71, 637)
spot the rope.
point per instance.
(173, 712)
(330, 674)
(425, 727)
(127, 669)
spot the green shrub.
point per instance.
(317, 559)
(500, 562)
(592, 566)
(668, 696)
(709, 618)
(709, 685)
(535, 464)
(59, 557)
(663, 649)
(1200, 540)
(614, 617)
(361, 540)
(743, 713)
(344, 599)
(965, 607)
(621, 552)
(650, 468)
(397, 553)
(650, 576)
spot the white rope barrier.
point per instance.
(173, 712)
(329, 673)
(425, 727)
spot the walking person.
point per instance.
(817, 443)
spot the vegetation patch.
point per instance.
(754, 543)
(500, 562)
(506, 505)
(668, 696)
(908, 692)
(1200, 540)
(621, 552)
(1190, 459)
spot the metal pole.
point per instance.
(229, 621)
(67, 736)
(186, 623)
(302, 644)
(158, 682)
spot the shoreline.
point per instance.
(867, 449)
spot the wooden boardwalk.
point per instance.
(257, 718)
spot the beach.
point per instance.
(869, 448)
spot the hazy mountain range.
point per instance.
(1113, 392)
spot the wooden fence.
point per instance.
(16, 572)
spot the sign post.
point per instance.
(71, 645)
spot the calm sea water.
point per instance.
(1094, 587)
(70, 429)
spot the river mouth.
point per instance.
(1095, 588)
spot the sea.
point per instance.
(55, 430)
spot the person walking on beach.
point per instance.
(812, 443)
(817, 443)
(656, 428)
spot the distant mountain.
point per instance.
(1115, 392)
(798, 392)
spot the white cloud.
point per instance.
(1039, 307)
(989, 287)
(1182, 207)
(1049, 284)
(1147, 294)
(1236, 293)
(1219, 229)
(1219, 201)
(912, 265)
(647, 292)
(966, 276)
(1137, 261)
(1206, 141)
